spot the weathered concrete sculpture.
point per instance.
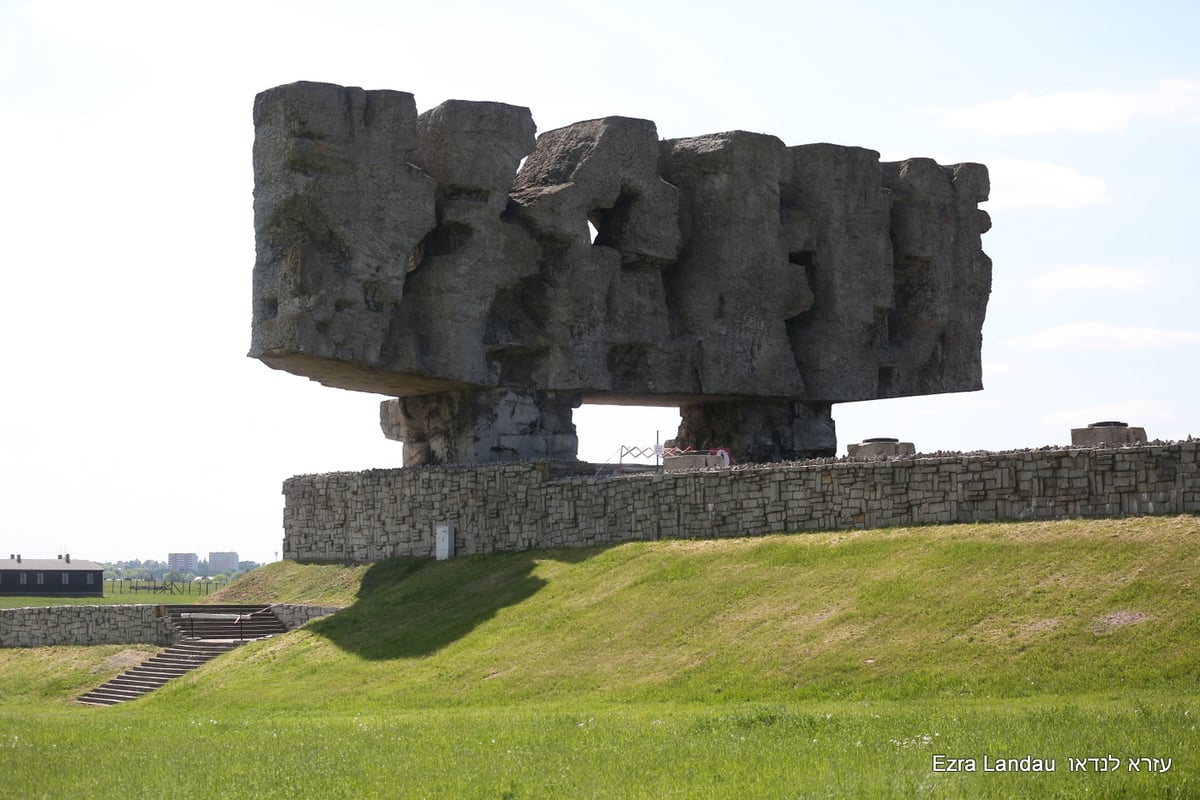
(749, 283)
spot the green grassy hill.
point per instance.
(830, 665)
(993, 611)
(292, 582)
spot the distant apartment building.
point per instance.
(222, 562)
(183, 562)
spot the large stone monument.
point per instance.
(749, 283)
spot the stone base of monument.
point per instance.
(1101, 434)
(881, 448)
(481, 426)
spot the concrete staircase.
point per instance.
(205, 632)
(155, 671)
(240, 622)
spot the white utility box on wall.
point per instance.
(443, 542)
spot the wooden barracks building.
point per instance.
(56, 577)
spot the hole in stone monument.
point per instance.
(807, 260)
(268, 308)
(800, 324)
(446, 239)
(511, 213)
(606, 224)
(614, 434)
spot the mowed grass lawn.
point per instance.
(824, 665)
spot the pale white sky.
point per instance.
(133, 425)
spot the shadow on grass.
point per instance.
(410, 607)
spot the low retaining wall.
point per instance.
(367, 516)
(39, 626)
(293, 616)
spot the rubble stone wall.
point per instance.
(85, 625)
(293, 616)
(367, 516)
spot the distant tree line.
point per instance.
(160, 572)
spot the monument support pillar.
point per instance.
(483, 426)
(759, 431)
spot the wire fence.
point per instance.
(634, 458)
(115, 586)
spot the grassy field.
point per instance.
(110, 597)
(828, 665)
